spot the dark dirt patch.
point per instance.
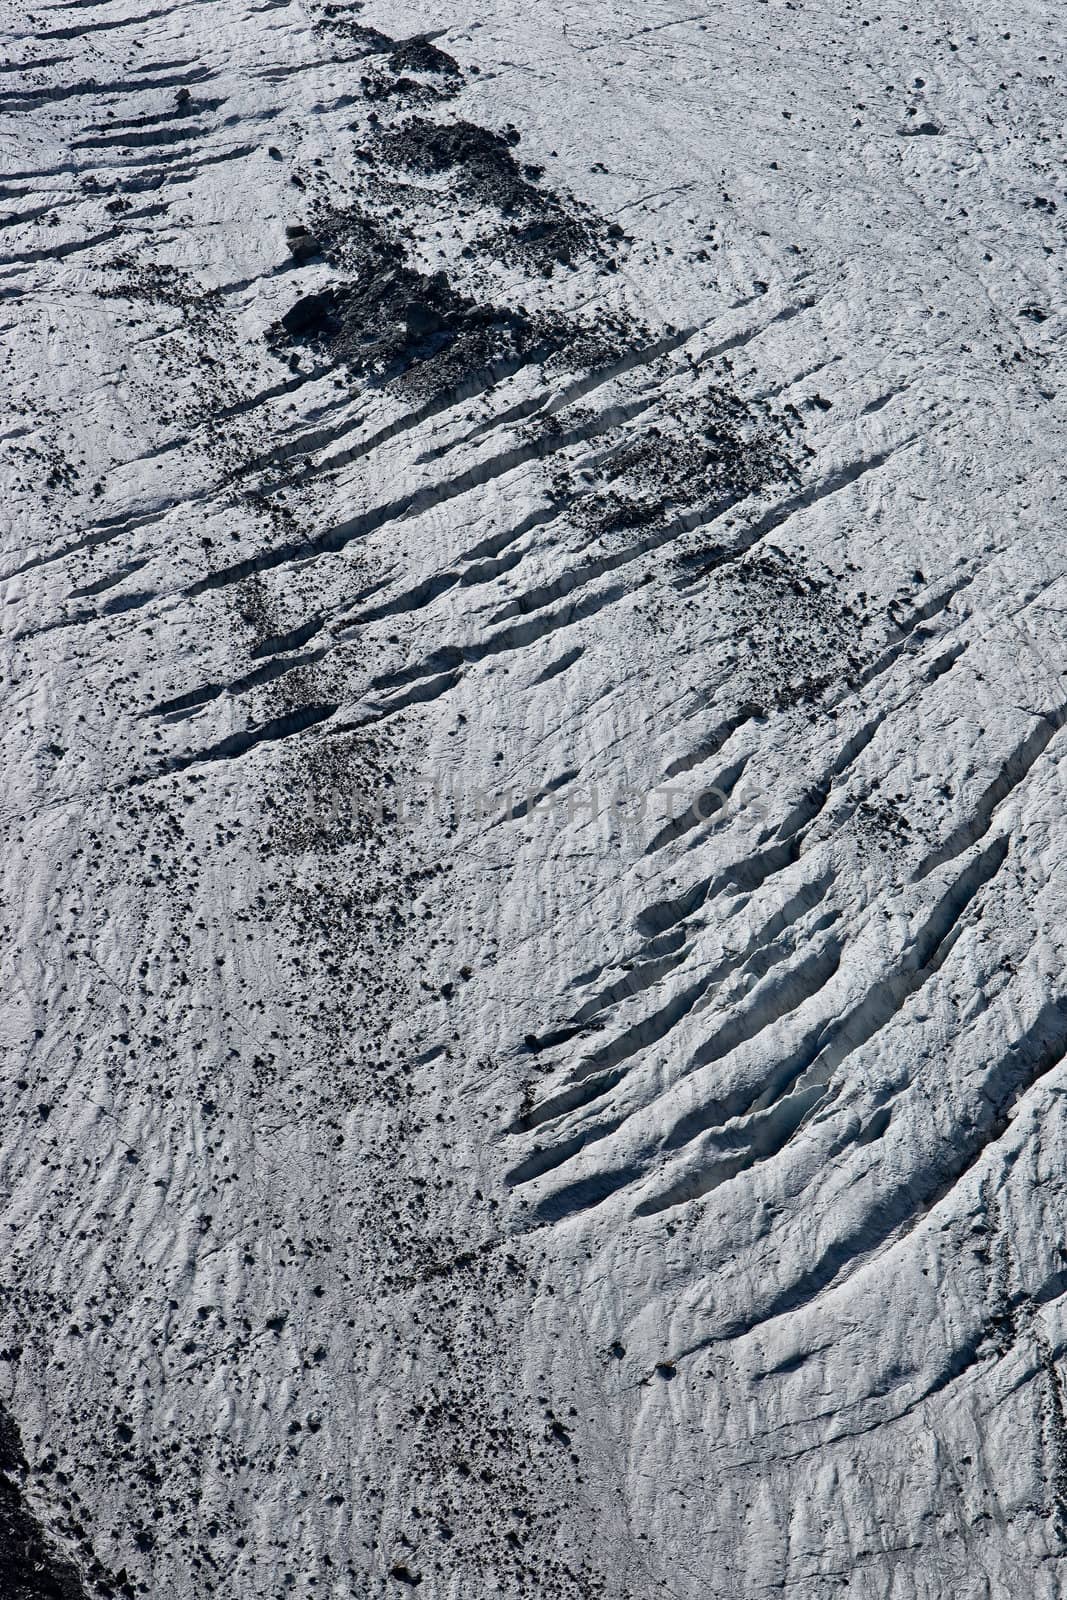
(797, 634)
(555, 236)
(354, 240)
(715, 448)
(419, 54)
(161, 285)
(482, 162)
(437, 74)
(384, 324)
(382, 86)
(544, 229)
(342, 22)
(386, 320)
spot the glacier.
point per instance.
(533, 692)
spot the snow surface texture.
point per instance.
(539, 1203)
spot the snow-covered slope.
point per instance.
(533, 687)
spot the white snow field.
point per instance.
(534, 1012)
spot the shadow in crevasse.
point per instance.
(30, 1569)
